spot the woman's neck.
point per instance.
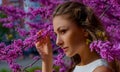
(88, 56)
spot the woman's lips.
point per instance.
(65, 49)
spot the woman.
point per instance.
(75, 26)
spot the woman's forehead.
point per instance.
(59, 21)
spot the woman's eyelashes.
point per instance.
(63, 31)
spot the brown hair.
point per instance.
(85, 18)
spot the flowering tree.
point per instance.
(107, 10)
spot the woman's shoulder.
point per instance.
(99, 65)
(102, 69)
(102, 66)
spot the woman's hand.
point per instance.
(44, 47)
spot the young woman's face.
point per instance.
(69, 37)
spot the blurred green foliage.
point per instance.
(31, 69)
(5, 70)
(4, 32)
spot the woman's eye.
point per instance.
(62, 31)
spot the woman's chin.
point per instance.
(68, 55)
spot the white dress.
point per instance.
(91, 66)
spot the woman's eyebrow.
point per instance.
(61, 27)
(58, 29)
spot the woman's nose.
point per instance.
(59, 42)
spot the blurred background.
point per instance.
(6, 35)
